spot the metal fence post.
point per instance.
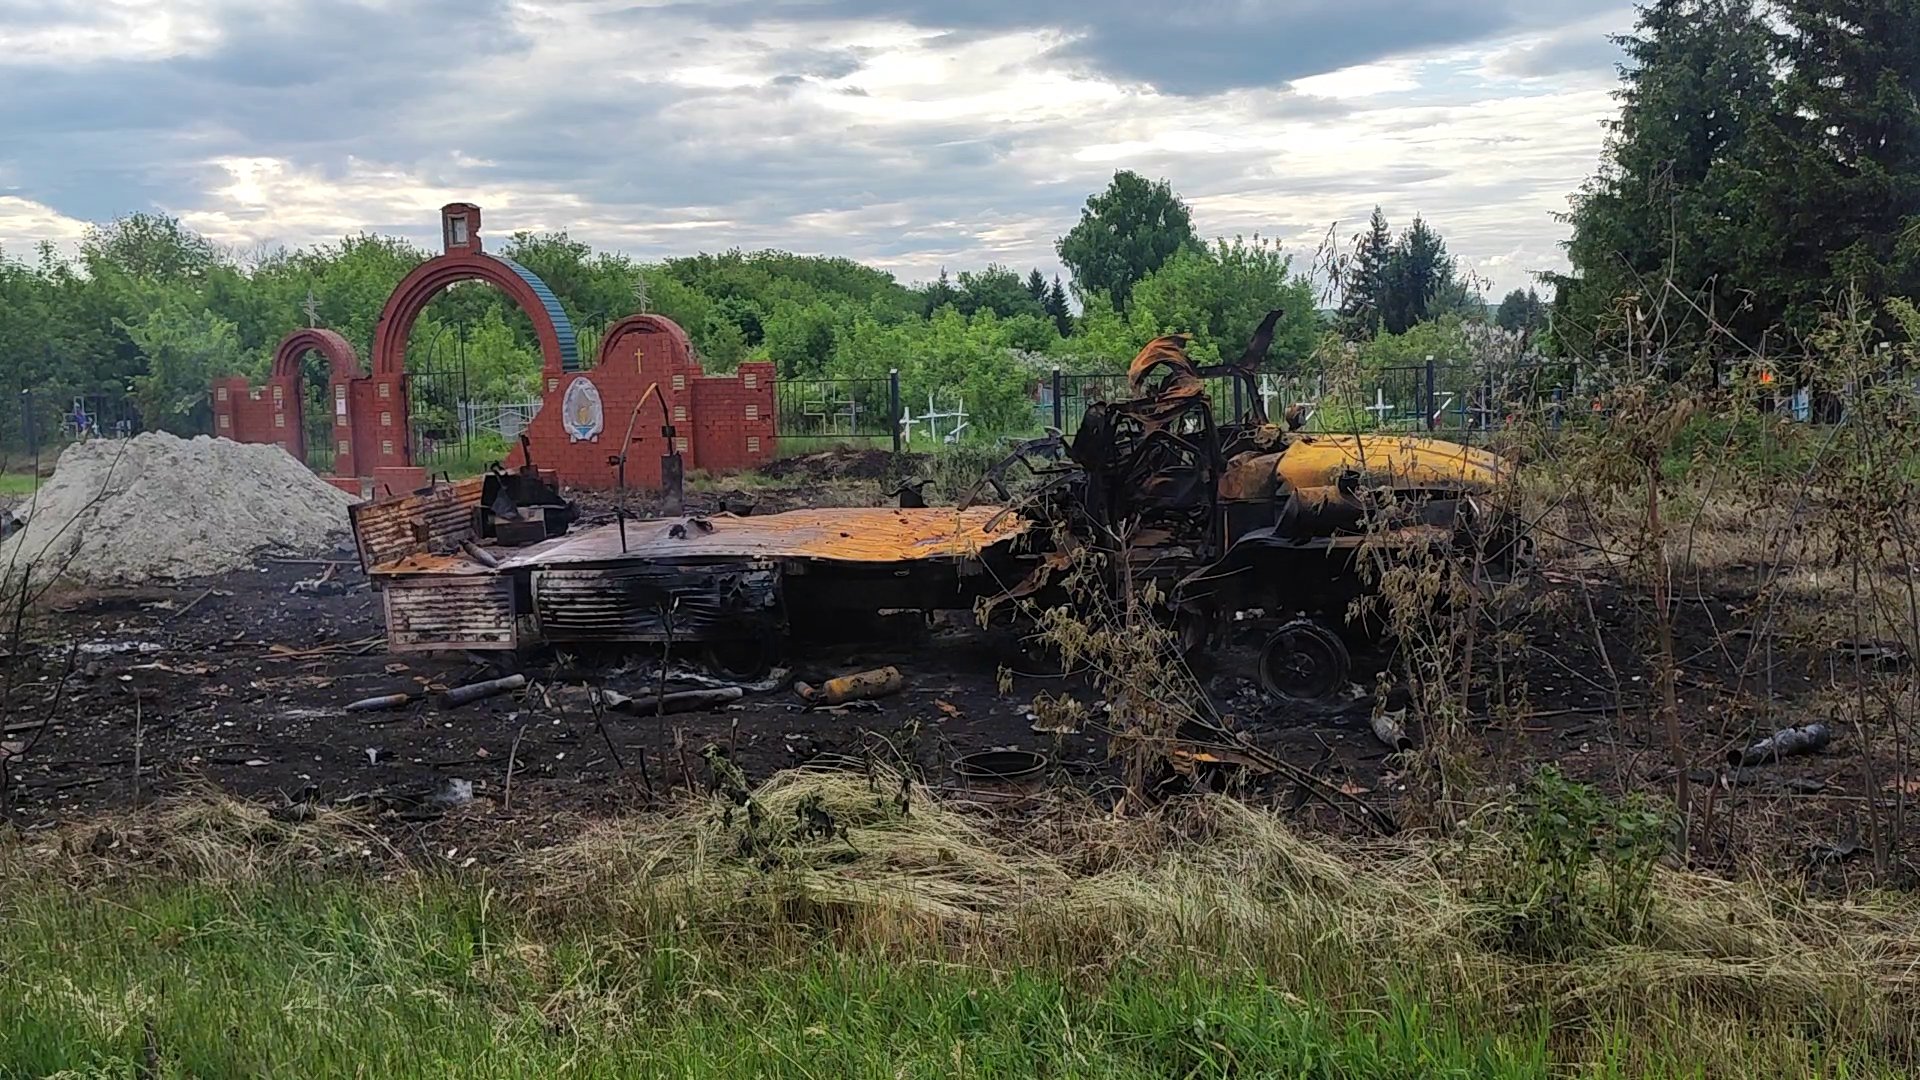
(1239, 406)
(893, 406)
(1059, 405)
(1433, 419)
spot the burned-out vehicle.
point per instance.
(1245, 524)
(1249, 526)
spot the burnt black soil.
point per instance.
(239, 684)
(841, 464)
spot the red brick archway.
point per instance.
(463, 260)
(275, 413)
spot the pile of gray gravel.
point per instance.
(160, 508)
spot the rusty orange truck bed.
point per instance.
(688, 579)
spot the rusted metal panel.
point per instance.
(852, 534)
(387, 530)
(441, 611)
(1402, 461)
(638, 601)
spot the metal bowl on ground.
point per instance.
(1002, 772)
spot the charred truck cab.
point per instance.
(1251, 525)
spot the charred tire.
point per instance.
(743, 659)
(1304, 661)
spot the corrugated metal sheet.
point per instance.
(447, 612)
(562, 326)
(656, 601)
(387, 530)
(848, 534)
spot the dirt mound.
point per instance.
(837, 464)
(157, 507)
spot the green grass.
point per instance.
(17, 484)
(284, 979)
(207, 940)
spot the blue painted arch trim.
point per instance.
(562, 326)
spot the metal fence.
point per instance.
(1436, 397)
(505, 419)
(38, 422)
(838, 410)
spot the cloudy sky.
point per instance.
(912, 134)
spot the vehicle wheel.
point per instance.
(1304, 661)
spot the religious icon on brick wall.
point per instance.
(580, 410)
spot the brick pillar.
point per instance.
(388, 436)
(340, 424)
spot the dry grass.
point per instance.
(1738, 979)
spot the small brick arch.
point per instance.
(615, 343)
(342, 360)
(289, 375)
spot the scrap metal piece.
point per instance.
(468, 607)
(433, 522)
(851, 534)
(859, 686)
(683, 701)
(1787, 742)
(384, 701)
(1002, 772)
(1391, 729)
(656, 601)
(480, 691)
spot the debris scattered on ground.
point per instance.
(157, 508)
(1391, 729)
(1787, 742)
(856, 687)
(869, 464)
(384, 701)
(480, 691)
(682, 701)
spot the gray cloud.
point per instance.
(788, 130)
(1579, 50)
(1200, 46)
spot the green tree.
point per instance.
(1684, 215)
(800, 338)
(1125, 233)
(1419, 280)
(1037, 286)
(594, 289)
(1365, 286)
(721, 343)
(1849, 171)
(937, 294)
(999, 290)
(152, 247)
(1220, 294)
(1521, 311)
(1057, 309)
(185, 349)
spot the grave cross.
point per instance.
(1379, 408)
(312, 308)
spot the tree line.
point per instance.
(1764, 166)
